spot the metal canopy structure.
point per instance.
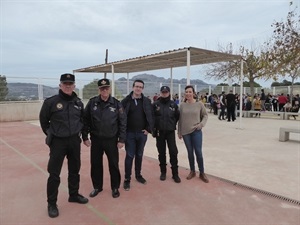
(181, 57)
(168, 59)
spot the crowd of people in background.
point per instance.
(260, 102)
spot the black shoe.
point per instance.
(176, 178)
(79, 199)
(163, 176)
(126, 185)
(53, 211)
(115, 193)
(141, 179)
(95, 192)
(219, 118)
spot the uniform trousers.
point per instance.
(59, 149)
(98, 147)
(163, 138)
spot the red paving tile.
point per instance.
(23, 178)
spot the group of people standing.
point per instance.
(228, 103)
(107, 125)
(268, 102)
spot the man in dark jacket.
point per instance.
(166, 115)
(139, 113)
(61, 119)
(105, 121)
(230, 103)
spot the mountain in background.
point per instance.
(154, 79)
(152, 84)
(29, 91)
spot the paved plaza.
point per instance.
(247, 151)
(254, 180)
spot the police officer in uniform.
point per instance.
(166, 114)
(105, 121)
(61, 119)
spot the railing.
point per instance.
(32, 88)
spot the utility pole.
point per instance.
(106, 56)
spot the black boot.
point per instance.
(175, 176)
(163, 172)
(163, 176)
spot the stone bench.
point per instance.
(284, 133)
(251, 113)
(287, 115)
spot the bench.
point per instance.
(284, 133)
(251, 113)
(287, 115)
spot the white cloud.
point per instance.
(74, 34)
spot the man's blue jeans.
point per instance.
(193, 143)
(134, 147)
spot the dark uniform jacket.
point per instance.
(104, 119)
(62, 115)
(166, 114)
(147, 106)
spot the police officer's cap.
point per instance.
(164, 89)
(103, 83)
(67, 77)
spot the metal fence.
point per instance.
(31, 88)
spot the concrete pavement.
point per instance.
(247, 151)
(254, 180)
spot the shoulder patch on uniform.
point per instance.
(59, 105)
(157, 107)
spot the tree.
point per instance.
(284, 83)
(90, 90)
(222, 84)
(247, 84)
(285, 47)
(276, 84)
(3, 88)
(255, 64)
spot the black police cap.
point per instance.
(67, 77)
(103, 83)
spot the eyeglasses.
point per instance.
(139, 87)
(103, 88)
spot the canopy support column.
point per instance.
(188, 66)
(127, 83)
(241, 93)
(171, 88)
(113, 80)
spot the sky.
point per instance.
(45, 38)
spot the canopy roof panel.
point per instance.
(162, 60)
